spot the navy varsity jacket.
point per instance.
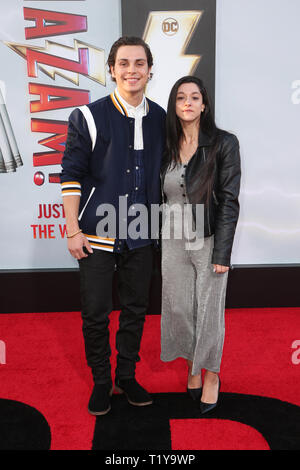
(98, 160)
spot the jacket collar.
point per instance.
(120, 104)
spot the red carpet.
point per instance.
(46, 369)
(186, 434)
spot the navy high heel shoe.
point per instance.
(206, 407)
(194, 393)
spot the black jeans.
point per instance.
(134, 269)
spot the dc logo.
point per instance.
(170, 26)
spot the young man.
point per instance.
(114, 148)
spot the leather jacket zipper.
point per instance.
(161, 188)
(215, 198)
(208, 215)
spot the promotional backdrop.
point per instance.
(53, 56)
(258, 98)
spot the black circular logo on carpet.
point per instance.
(22, 427)
(128, 427)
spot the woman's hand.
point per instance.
(219, 269)
(76, 244)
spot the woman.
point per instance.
(202, 166)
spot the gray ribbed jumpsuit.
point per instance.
(193, 296)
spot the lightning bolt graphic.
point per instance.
(52, 52)
(170, 62)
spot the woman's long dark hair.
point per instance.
(174, 134)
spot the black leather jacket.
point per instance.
(221, 214)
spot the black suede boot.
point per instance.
(135, 393)
(99, 403)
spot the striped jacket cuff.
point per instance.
(71, 188)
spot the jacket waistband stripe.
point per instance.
(95, 238)
(102, 247)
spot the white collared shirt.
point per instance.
(137, 113)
